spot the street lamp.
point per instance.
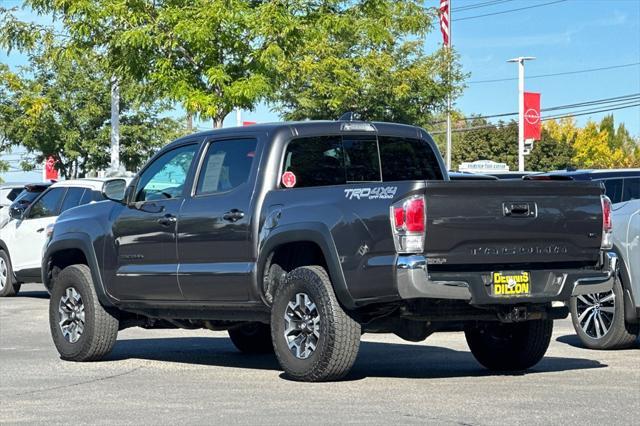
(520, 60)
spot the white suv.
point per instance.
(23, 238)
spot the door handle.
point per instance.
(40, 230)
(233, 215)
(167, 220)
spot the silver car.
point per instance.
(611, 320)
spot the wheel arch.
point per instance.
(630, 313)
(71, 249)
(304, 235)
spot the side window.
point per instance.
(631, 189)
(48, 204)
(72, 198)
(166, 176)
(13, 194)
(316, 161)
(361, 158)
(227, 165)
(613, 189)
(87, 197)
(408, 159)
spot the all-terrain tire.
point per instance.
(509, 347)
(339, 334)
(100, 325)
(252, 338)
(619, 335)
(8, 286)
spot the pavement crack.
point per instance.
(86, 382)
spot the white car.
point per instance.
(23, 237)
(611, 320)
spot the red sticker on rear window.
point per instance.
(288, 179)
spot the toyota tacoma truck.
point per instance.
(299, 237)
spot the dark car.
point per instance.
(299, 237)
(620, 184)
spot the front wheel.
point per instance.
(313, 337)
(7, 286)
(81, 328)
(598, 319)
(509, 347)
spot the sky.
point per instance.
(563, 35)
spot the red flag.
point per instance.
(50, 171)
(532, 116)
(444, 21)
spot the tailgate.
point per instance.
(505, 225)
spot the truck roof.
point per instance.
(313, 126)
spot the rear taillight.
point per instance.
(607, 224)
(408, 223)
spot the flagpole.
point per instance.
(449, 95)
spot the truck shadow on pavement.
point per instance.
(33, 294)
(375, 359)
(574, 340)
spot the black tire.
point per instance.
(252, 338)
(100, 326)
(509, 347)
(10, 287)
(619, 334)
(338, 338)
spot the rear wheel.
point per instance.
(509, 347)
(313, 337)
(599, 319)
(254, 338)
(81, 328)
(7, 286)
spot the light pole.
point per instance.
(520, 60)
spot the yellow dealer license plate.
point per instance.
(511, 283)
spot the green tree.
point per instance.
(59, 106)
(369, 60)
(549, 154)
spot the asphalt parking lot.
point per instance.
(180, 376)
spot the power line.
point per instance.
(496, 80)
(508, 11)
(546, 118)
(612, 100)
(479, 5)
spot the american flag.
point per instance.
(444, 20)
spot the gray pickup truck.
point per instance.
(299, 237)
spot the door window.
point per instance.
(227, 165)
(48, 204)
(72, 198)
(166, 176)
(631, 189)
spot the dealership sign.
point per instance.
(532, 123)
(483, 166)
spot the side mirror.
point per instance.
(114, 190)
(16, 212)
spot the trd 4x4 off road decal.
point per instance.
(379, 192)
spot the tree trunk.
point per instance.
(218, 121)
(189, 122)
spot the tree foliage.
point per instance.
(369, 59)
(59, 106)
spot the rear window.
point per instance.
(613, 189)
(336, 160)
(408, 159)
(631, 189)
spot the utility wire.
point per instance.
(478, 5)
(612, 100)
(465, 18)
(546, 118)
(495, 80)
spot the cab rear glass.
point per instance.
(337, 160)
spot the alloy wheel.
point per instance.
(595, 313)
(71, 309)
(302, 326)
(4, 273)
